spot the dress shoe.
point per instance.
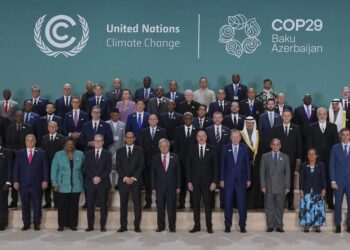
(25, 227)
(37, 227)
(3, 228)
(137, 230)
(47, 206)
(243, 230)
(74, 228)
(280, 230)
(291, 208)
(227, 230)
(337, 229)
(60, 229)
(158, 230)
(195, 229)
(103, 229)
(89, 229)
(147, 206)
(318, 230)
(348, 229)
(210, 231)
(182, 206)
(306, 230)
(12, 205)
(122, 229)
(172, 230)
(269, 230)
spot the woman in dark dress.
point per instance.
(312, 185)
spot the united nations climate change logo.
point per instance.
(59, 43)
(251, 29)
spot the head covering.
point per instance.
(254, 136)
(338, 119)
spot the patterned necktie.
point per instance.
(217, 134)
(164, 162)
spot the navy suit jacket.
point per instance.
(88, 134)
(68, 122)
(207, 122)
(33, 119)
(241, 93)
(225, 136)
(31, 175)
(61, 108)
(131, 125)
(40, 108)
(104, 105)
(101, 168)
(229, 123)
(339, 165)
(178, 97)
(139, 94)
(214, 106)
(239, 172)
(265, 129)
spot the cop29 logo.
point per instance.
(239, 23)
(60, 44)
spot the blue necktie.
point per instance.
(152, 134)
(139, 121)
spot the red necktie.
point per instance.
(164, 162)
(6, 108)
(30, 157)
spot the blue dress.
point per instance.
(312, 209)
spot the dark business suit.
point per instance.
(255, 112)
(206, 122)
(30, 177)
(68, 125)
(88, 133)
(97, 193)
(84, 100)
(184, 107)
(315, 181)
(170, 123)
(165, 182)
(265, 129)
(104, 105)
(201, 173)
(235, 175)
(181, 145)
(178, 97)
(114, 96)
(150, 148)
(339, 172)
(228, 122)
(6, 161)
(32, 119)
(239, 95)
(4, 123)
(132, 126)
(41, 128)
(291, 146)
(300, 119)
(215, 106)
(51, 148)
(131, 166)
(323, 142)
(140, 94)
(61, 107)
(40, 107)
(153, 106)
(15, 140)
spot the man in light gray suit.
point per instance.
(158, 104)
(275, 184)
(8, 107)
(118, 131)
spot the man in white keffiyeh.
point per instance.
(336, 114)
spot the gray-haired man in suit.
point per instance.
(275, 184)
(118, 132)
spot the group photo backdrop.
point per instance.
(302, 46)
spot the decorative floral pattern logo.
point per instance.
(251, 29)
